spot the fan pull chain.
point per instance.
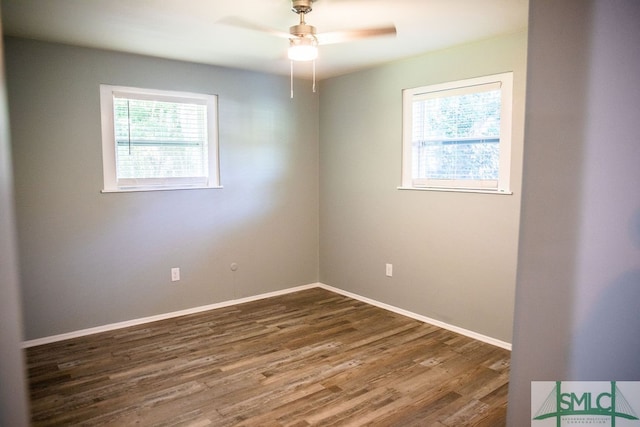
(291, 76)
(291, 73)
(314, 76)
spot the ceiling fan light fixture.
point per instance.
(303, 49)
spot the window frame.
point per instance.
(505, 82)
(109, 145)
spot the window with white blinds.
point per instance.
(158, 140)
(457, 135)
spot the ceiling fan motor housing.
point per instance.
(302, 30)
(301, 6)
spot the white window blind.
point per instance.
(457, 135)
(158, 139)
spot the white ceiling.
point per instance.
(190, 30)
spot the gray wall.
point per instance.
(13, 393)
(578, 286)
(453, 254)
(89, 259)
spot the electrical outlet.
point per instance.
(389, 270)
(175, 274)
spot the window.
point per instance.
(457, 136)
(158, 140)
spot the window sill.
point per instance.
(458, 190)
(141, 189)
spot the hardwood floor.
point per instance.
(303, 359)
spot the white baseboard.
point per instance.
(421, 318)
(143, 320)
(134, 322)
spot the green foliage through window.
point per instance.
(157, 139)
(457, 137)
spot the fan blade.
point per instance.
(237, 22)
(349, 35)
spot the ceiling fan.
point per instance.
(304, 39)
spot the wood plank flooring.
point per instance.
(310, 358)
